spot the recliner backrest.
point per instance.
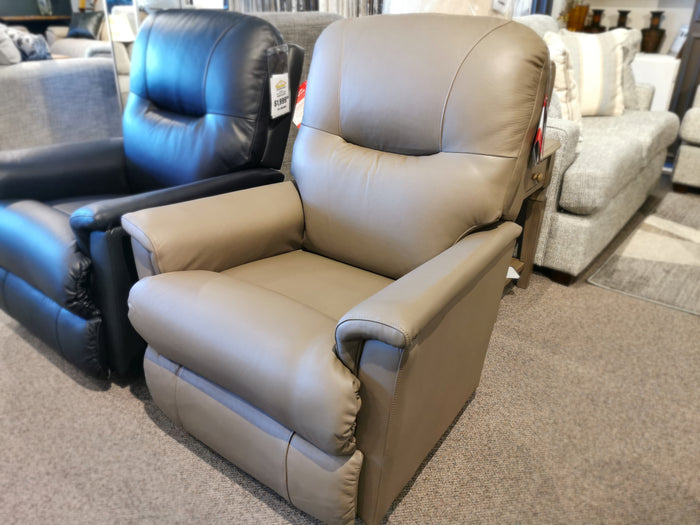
(199, 97)
(398, 159)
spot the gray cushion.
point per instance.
(72, 47)
(604, 166)
(690, 129)
(615, 149)
(654, 130)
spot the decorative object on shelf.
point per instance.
(622, 18)
(653, 35)
(595, 26)
(45, 7)
(574, 14)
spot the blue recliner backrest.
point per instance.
(199, 98)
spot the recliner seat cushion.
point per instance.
(268, 349)
(329, 287)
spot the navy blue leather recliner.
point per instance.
(197, 123)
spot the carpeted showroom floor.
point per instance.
(587, 412)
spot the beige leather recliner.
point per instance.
(323, 336)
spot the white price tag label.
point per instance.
(280, 102)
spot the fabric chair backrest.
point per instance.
(416, 131)
(199, 97)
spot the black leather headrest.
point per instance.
(199, 101)
(191, 61)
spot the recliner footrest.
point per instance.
(323, 485)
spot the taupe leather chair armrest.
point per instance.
(216, 233)
(397, 314)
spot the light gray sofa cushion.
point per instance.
(57, 101)
(76, 47)
(615, 150)
(654, 130)
(690, 128)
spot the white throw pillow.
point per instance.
(564, 81)
(9, 54)
(597, 61)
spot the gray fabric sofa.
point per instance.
(594, 191)
(50, 102)
(686, 172)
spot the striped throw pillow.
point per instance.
(597, 61)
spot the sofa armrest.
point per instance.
(54, 33)
(645, 96)
(399, 313)
(567, 133)
(690, 126)
(65, 170)
(218, 232)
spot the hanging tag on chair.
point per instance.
(538, 142)
(278, 69)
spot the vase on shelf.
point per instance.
(595, 26)
(45, 7)
(622, 18)
(576, 18)
(653, 35)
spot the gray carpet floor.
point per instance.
(588, 412)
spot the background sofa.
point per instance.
(686, 172)
(51, 102)
(598, 183)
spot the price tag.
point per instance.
(299, 108)
(280, 102)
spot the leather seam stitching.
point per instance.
(454, 79)
(340, 78)
(388, 424)
(257, 285)
(178, 380)
(152, 251)
(211, 54)
(473, 153)
(145, 58)
(286, 469)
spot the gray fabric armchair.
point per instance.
(323, 336)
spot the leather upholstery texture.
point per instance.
(216, 101)
(323, 337)
(197, 124)
(441, 121)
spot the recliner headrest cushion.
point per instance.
(183, 61)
